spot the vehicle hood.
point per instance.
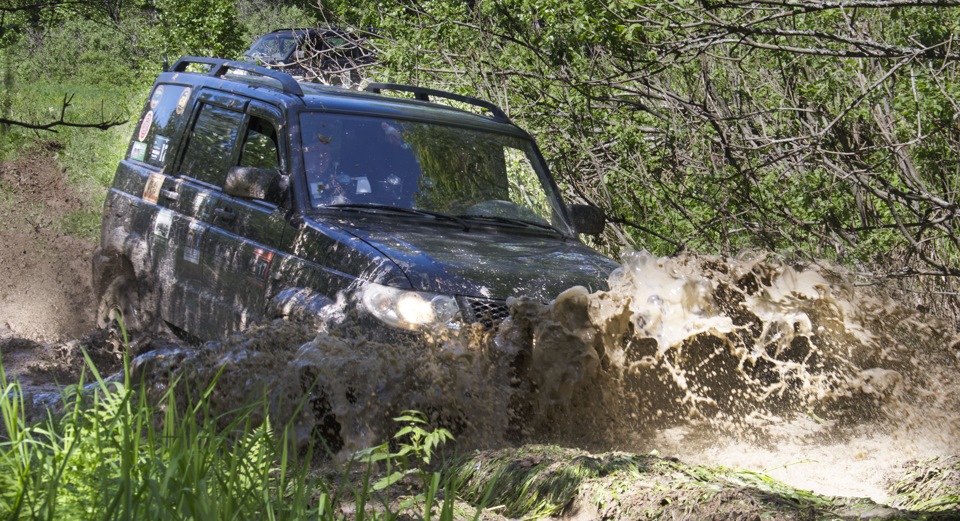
(485, 261)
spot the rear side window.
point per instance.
(211, 144)
(161, 121)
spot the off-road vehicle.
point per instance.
(251, 196)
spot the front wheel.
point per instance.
(120, 303)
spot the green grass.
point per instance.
(108, 457)
(83, 223)
(110, 454)
(90, 156)
(42, 102)
(929, 485)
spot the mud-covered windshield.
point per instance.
(358, 160)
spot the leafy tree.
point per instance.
(200, 27)
(822, 129)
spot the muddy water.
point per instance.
(748, 363)
(742, 362)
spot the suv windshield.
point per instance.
(357, 160)
(274, 47)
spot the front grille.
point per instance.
(488, 312)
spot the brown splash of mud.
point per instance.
(743, 362)
(337, 389)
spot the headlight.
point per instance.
(411, 310)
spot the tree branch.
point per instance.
(61, 121)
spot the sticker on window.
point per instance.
(151, 191)
(182, 102)
(145, 126)
(158, 152)
(191, 246)
(138, 151)
(157, 96)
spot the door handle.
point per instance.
(173, 195)
(225, 214)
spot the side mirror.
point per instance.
(587, 219)
(257, 183)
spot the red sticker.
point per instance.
(260, 268)
(145, 126)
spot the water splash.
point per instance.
(746, 362)
(742, 361)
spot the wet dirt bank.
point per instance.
(45, 276)
(743, 363)
(45, 293)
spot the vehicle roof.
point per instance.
(266, 85)
(339, 99)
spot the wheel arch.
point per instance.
(123, 253)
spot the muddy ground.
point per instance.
(46, 300)
(46, 316)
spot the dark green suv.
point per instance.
(245, 195)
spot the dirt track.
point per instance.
(46, 302)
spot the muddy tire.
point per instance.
(120, 301)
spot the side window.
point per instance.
(161, 120)
(211, 144)
(260, 145)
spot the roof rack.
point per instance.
(423, 94)
(219, 67)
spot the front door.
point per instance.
(248, 232)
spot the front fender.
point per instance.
(298, 304)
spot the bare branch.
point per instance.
(51, 126)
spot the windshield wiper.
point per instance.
(510, 221)
(378, 208)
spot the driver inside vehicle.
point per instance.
(361, 162)
(319, 156)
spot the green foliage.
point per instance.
(106, 458)
(82, 52)
(826, 133)
(416, 444)
(258, 17)
(415, 441)
(104, 452)
(200, 27)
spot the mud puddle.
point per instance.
(741, 363)
(749, 363)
